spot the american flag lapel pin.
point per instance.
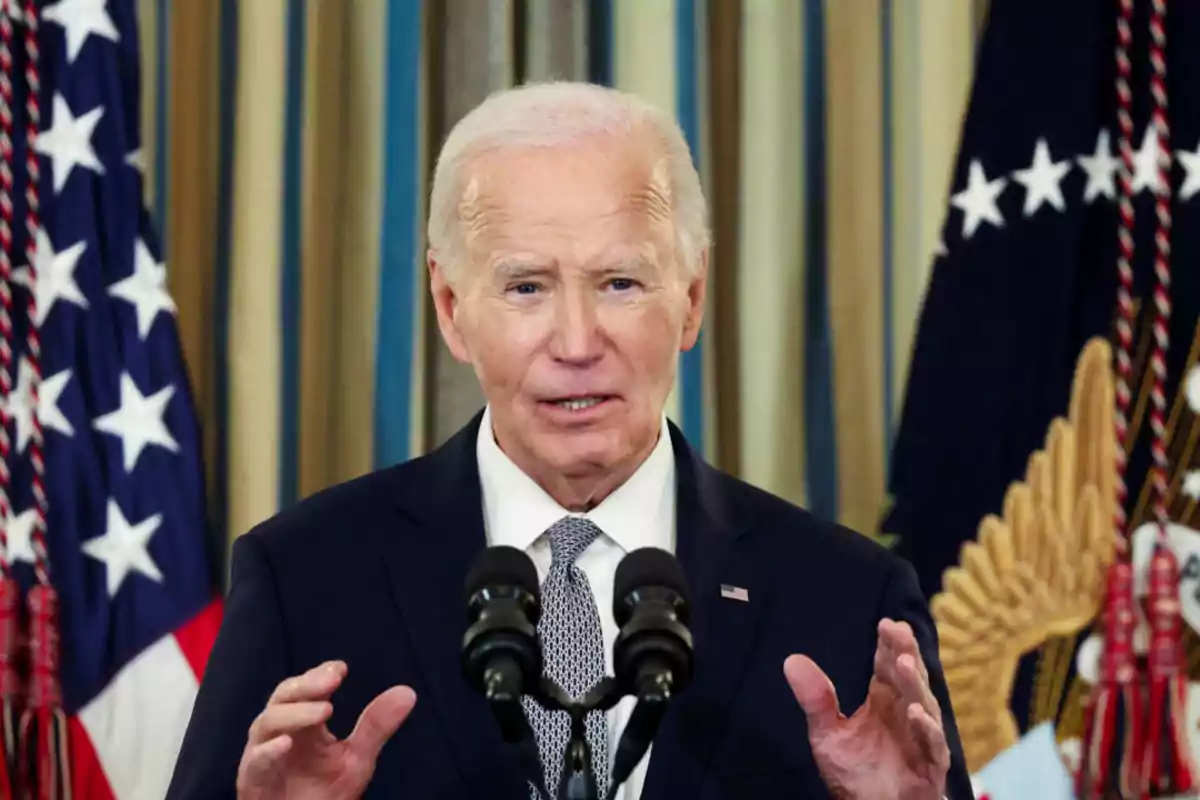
(730, 592)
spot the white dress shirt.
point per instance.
(641, 513)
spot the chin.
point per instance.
(580, 452)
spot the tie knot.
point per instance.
(569, 537)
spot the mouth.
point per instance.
(579, 403)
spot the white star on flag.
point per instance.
(79, 19)
(1191, 181)
(1192, 389)
(137, 160)
(978, 200)
(122, 548)
(139, 421)
(145, 289)
(20, 403)
(1191, 484)
(69, 141)
(55, 275)
(1101, 168)
(1041, 180)
(1145, 164)
(19, 528)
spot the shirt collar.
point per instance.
(639, 513)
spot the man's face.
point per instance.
(571, 304)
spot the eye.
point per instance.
(622, 284)
(526, 288)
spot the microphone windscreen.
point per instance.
(643, 568)
(501, 566)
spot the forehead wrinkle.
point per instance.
(477, 211)
(653, 196)
(483, 212)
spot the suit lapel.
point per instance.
(709, 546)
(427, 563)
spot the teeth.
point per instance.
(579, 403)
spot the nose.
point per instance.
(576, 340)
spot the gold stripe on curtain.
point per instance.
(356, 264)
(644, 64)
(933, 51)
(193, 197)
(147, 14)
(770, 289)
(343, 163)
(320, 196)
(722, 161)
(854, 266)
(254, 316)
(341, 191)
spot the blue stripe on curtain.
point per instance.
(600, 42)
(290, 274)
(820, 424)
(687, 108)
(162, 45)
(227, 98)
(889, 222)
(400, 234)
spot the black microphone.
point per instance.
(653, 654)
(501, 656)
(500, 652)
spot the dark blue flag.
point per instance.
(1026, 277)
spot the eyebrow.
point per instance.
(516, 270)
(631, 264)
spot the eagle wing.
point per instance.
(1035, 571)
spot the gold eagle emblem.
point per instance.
(1034, 577)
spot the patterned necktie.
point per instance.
(572, 651)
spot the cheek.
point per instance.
(649, 336)
(503, 343)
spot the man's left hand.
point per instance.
(893, 748)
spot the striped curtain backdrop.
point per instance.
(291, 143)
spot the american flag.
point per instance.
(730, 592)
(93, 347)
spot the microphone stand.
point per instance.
(502, 689)
(578, 780)
(653, 691)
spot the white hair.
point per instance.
(558, 114)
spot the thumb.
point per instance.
(380, 719)
(815, 694)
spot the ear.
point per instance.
(697, 294)
(446, 305)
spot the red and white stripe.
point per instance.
(124, 743)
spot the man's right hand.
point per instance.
(291, 753)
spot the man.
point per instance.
(567, 259)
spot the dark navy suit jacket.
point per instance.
(371, 572)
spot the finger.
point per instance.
(932, 741)
(288, 718)
(886, 659)
(900, 639)
(261, 760)
(319, 683)
(379, 720)
(914, 688)
(896, 640)
(815, 694)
